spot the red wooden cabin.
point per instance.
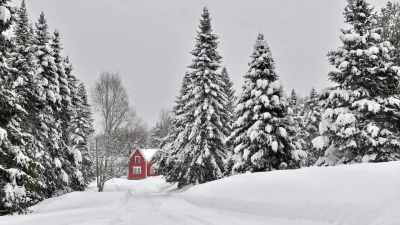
(141, 164)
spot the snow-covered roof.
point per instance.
(148, 154)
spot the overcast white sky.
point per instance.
(148, 42)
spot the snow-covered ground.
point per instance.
(365, 194)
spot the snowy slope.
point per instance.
(366, 194)
(73, 208)
(363, 194)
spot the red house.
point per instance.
(141, 164)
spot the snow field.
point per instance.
(363, 194)
(360, 194)
(73, 208)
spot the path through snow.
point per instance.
(150, 201)
(157, 204)
(365, 194)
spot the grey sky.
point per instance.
(148, 42)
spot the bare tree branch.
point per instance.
(118, 120)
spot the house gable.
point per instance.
(143, 158)
(137, 161)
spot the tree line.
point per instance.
(47, 146)
(45, 117)
(215, 134)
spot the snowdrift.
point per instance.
(73, 208)
(363, 194)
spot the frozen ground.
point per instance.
(365, 194)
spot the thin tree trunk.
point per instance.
(97, 165)
(99, 186)
(104, 175)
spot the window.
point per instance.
(137, 159)
(137, 170)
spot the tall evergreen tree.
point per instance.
(293, 101)
(81, 129)
(311, 115)
(66, 111)
(22, 57)
(17, 156)
(70, 157)
(165, 161)
(230, 93)
(50, 130)
(36, 160)
(260, 135)
(200, 157)
(361, 122)
(295, 130)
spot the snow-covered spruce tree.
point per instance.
(230, 93)
(50, 131)
(164, 161)
(23, 67)
(311, 115)
(295, 130)
(26, 86)
(260, 135)
(200, 158)
(361, 122)
(88, 131)
(294, 102)
(70, 157)
(67, 110)
(17, 157)
(72, 123)
(80, 130)
(296, 105)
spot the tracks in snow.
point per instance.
(168, 209)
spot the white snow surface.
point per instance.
(362, 194)
(57, 163)
(318, 142)
(5, 14)
(3, 134)
(7, 34)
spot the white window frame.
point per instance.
(138, 169)
(137, 161)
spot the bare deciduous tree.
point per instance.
(111, 100)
